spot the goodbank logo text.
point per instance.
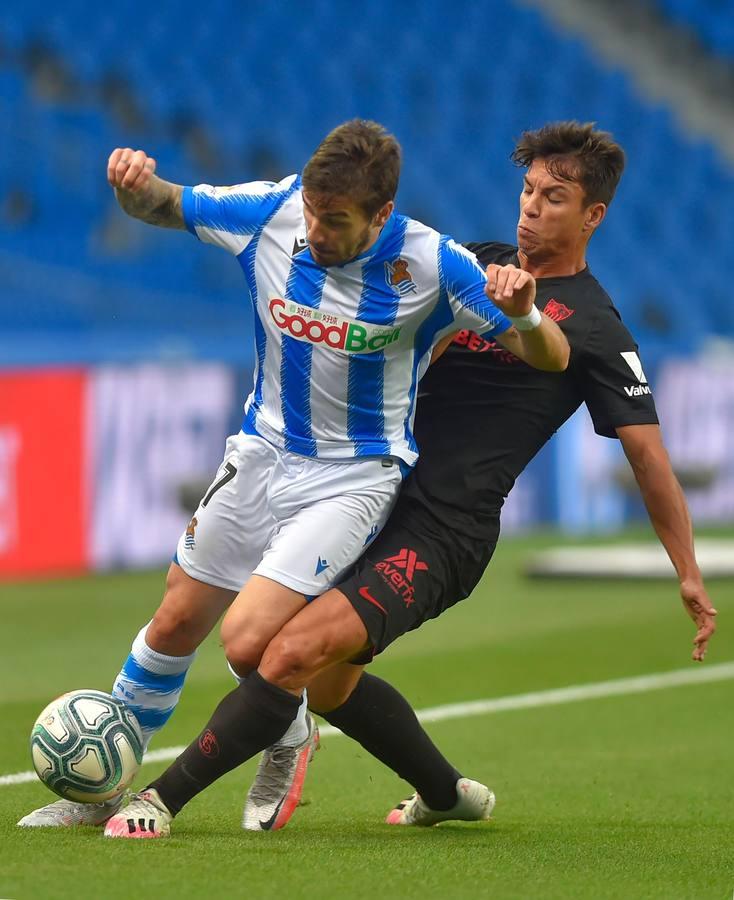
(335, 332)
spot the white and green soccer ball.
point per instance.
(87, 746)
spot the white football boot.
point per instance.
(64, 813)
(145, 816)
(278, 785)
(475, 804)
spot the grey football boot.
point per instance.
(278, 785)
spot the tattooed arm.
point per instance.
(140, 192)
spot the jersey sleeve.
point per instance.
(463, 279)
(613, 381)
(231, 216)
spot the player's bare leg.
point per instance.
(151, 679)
(377, 716)
(326, 632)
(332, 688)
(370, 711)
(188, 612)
(259, 612)
(252, 717)
(278, 784)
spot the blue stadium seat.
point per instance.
(224, 98)
(712, 21)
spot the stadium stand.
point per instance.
(213, 101)
(712, 21)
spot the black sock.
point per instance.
(249, 719)
(379, 718)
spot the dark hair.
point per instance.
(575, 151)
(359, 159)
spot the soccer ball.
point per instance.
(87, 746)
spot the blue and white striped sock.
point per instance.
(150, 683)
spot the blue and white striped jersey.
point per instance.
(340, 350)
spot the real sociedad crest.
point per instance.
(399, 278)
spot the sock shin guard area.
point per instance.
(378, 717)
(249, 719)
(150, 683)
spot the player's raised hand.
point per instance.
(700, 609)
(130, 170)
(511, 289)
(140, 192)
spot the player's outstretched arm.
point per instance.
(534, 337)
(140, 192)
(668, 511)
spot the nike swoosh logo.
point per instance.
(268, 823)
(365, 594)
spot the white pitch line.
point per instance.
(620, 687)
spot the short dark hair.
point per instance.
(359, 159)
(575, 151)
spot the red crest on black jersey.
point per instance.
(208, 744)
(557, 311)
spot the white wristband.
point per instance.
(528, 322)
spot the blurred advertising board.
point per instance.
(696, 404)
(151, 430)
(43, 464)
(92, 462)
(583, 484)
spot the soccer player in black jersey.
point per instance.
(482, 416)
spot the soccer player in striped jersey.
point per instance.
(350, 298)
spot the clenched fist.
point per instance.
(511, 289)
(130, 170)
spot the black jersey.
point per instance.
(483, 414)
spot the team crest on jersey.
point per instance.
(398, 276)
(557, 311)
(190, 539)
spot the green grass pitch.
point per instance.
(623, 797)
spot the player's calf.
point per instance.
(152, 677)
(150, 683)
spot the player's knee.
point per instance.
(290, 659)
(243, 651)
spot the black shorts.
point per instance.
(413, 571)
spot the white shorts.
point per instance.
(301, 522)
